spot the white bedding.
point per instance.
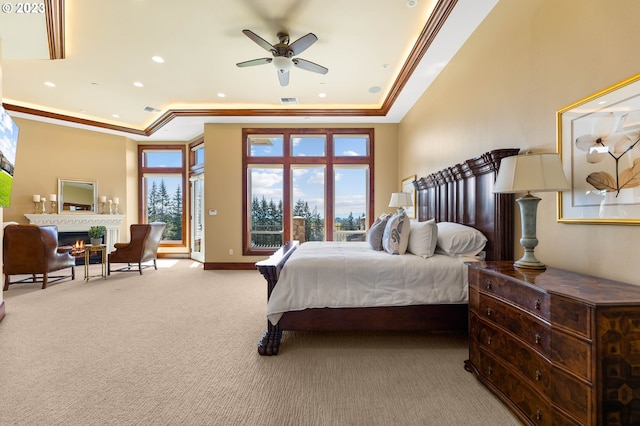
(351, 274)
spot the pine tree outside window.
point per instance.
(324, 176)
(162, 184)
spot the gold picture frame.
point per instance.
(408, 186)
(599, 144)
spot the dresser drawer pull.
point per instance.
(538, 375)
(538, 303)
(489, 370)
(489, 284)
(489, 339)
(489, 312)
(539, 415)
(538, 338)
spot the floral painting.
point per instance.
(599, 143)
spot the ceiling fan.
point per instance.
(283, 54)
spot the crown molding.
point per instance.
(54, 10)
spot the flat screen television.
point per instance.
(8, 144)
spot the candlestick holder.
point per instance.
(52, 207)
(44, 209)
(36, 205)
(115, 208)
(103, 208)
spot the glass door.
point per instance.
(197, 217)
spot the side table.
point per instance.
(88, 249)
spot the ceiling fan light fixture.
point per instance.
(282, 63)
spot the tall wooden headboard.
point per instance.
(464, 194)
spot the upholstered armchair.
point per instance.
(33, 250)
(142, 247)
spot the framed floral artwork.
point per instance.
(407, 186)
(599, 143)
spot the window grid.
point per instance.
(289, 162)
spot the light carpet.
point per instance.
(177, 346)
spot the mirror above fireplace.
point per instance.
(77, 196)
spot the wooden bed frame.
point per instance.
(462, 193)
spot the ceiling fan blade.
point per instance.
(302, 44)
(259, 40)
(253, 62)
(284, 78)
(309, 66)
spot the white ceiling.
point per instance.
(109, 45)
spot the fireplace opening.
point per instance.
(72, 238)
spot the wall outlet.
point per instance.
(213, 212)
(230, 252)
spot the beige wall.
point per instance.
(47, 152)
(527, 60)
(223, 183)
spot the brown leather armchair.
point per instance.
(33, 250)
(143, 247)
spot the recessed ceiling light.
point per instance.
(322, 95)
(50, 84)
(115, 115)
(221, 95)
(157, 59)
(138, 84)
(374, 89)
(411, 3)
(385, 66)
(602, 102)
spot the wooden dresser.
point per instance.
(557, 347)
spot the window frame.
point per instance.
(182, 171)
(287, 160)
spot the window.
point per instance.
(323, 176)
(162, 174)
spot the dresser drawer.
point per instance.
(572, 315)
(529, 328)
(531, 364)
(572, 395)
(528, 298)
(531, 402)
(571, 353)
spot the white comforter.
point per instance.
(334, 275)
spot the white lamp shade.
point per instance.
(531, 173)
(400, 199)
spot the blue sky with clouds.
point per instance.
(309, 180)
(8, 136)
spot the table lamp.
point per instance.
(530, 173)
(400, 200)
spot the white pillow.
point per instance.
(377, 231)
(423, 238)
(396, 234)
(455, 239)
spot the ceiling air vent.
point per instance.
(289, 101)
(151, 109)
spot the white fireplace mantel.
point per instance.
(78, 222)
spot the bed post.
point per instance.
(270, 269)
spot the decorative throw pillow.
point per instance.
(396, 234)
(376, 231)
(456, 239)
(423, 238)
